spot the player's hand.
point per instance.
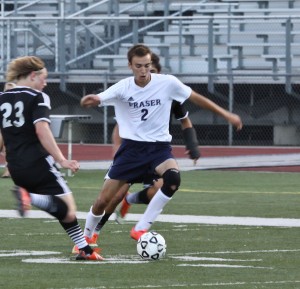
(235, 120)
(193, 155)
(90, 100)
(70, 164)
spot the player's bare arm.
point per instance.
(47, 140)
(90, 100)
(205, 103)
(1, 142)
(234, 119)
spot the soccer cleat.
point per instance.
(95, 238)
(92, 257)
(122, 210)
(91, 241)
(23, 200)
(137, 234)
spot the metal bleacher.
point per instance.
(239, 52)
(194, 37)
(254, 37)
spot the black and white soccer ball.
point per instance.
(151, 246)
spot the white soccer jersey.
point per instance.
(143, 113)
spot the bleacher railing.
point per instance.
(216, 54)
(74, 42)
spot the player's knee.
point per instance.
(172, 180)
(60, 209)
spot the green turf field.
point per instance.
(35, 253)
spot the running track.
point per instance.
(104, 152)
(94, 152)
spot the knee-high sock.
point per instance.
(91, 223)
(75, 233)
(154, 208)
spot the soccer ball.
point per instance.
(151, 246)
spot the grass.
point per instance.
(198, 255)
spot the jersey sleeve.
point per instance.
(41, 108)
(112, 94)
(178, 90)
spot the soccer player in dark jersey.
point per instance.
(6, 174)
(32, 152)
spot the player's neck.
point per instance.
(142, 82)
(23, 83)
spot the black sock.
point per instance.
(102, 221)
(142, 197)
(87, 250)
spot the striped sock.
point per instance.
(75, 233)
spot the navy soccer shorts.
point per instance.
(135, 159)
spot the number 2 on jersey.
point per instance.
(144, 112)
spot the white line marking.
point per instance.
(207, 163)
(68, 261)
(195, 285)
(189, 219)
(190, 258)
(246, 251)
(245, 283)
(222, 266)
(4, 253)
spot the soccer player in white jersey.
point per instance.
(151, 183)
(142, 106)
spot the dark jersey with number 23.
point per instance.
(20, 109)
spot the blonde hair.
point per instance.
(21, 67)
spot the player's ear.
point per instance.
(32, 75)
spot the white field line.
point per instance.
(238, 285)
(188, 219)
(207, 163)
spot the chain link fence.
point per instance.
(269, 114)
(244, 55)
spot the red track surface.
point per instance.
(84, 152)
(104, 152)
